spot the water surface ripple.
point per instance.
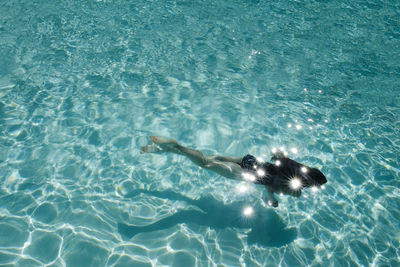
(83, 83)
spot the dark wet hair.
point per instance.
(314, 177)
(289, 169)
(285, 171)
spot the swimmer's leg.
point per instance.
(271, 198)
(225, 166)
(228, 159)
(161, 144)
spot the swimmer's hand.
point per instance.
(274, 204)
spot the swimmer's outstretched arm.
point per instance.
(226, 166)
(271, 200)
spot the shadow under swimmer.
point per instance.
(266, 227)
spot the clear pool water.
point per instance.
(84, 83)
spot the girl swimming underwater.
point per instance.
(284, 175)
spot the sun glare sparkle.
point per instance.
(294, 150)
(278, 163)
(260, 160)
(303, 169)
(242, 188)
(248, 177)
(295, 183)
(248, 211)
(260, 172)
(314, 189)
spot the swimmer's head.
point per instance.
(248, 162)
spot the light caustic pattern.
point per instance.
(84, 83)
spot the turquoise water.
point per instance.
(84, 83)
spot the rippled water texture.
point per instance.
(83, 83)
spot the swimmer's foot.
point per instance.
(160, 144)
(169, 145)
(150, 149)
(162, 140)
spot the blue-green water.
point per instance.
(83, 83)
